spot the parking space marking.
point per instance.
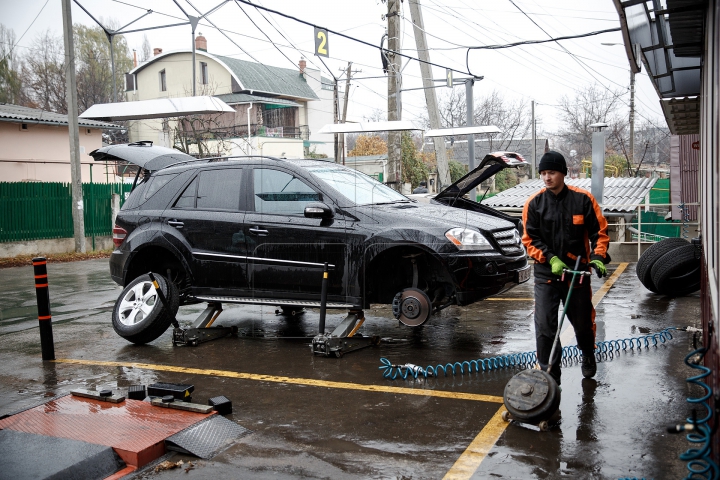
(290, 380)
(510, 299)
(475, 453)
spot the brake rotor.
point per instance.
(412, 307)
(532, 396)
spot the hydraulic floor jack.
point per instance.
(202, 330)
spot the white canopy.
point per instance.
(443, 132)
(363, 127)
(158, 108)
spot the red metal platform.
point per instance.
(134, 429)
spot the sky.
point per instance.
(543, 73)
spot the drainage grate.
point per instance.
(207, 438)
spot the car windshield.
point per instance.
(357, 187)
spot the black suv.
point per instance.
(259, 230)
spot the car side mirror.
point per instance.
(318, 210)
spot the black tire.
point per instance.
(651, 255)
(677, 273)
(138, 315)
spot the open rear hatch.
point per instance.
(491, 164)
(143, 154)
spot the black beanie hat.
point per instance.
(553, 161)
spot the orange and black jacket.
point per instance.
(567, 225)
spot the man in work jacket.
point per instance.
(561, 223)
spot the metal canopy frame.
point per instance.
(674, 68)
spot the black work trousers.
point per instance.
(580, 312)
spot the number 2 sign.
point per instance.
(321, 42)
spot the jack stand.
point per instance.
(201, 331)
(343, 340)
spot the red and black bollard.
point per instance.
(43, 302)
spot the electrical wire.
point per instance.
(26, 30)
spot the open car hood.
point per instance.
(489, 166)
(143, 154)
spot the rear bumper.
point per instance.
(118, 259)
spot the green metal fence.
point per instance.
(34, 211)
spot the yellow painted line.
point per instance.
(608, 283)
(475, 453)
(511, 299)
(569, 333)
(291, 381)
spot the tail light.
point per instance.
(119, 235)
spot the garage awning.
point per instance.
(157, 108)
(682, 115)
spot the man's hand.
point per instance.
(599, 267)
(557, 265)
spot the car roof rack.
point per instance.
(141, 143)
(224, 159)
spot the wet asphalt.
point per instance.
(612, 426)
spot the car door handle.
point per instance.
(258, 231)
(176, 224)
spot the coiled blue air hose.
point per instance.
(520, 360)
(700, 463)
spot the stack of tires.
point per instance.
(670, 267)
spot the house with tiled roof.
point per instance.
(36, 147)
(277, 110)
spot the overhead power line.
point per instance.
(334, 32)
(532, 42)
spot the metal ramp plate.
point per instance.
(29, 455)
(207, 438)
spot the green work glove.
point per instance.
(557, 265)
(599, 267)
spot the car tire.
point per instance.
(643, 269)
(138, 315)
(677, 273)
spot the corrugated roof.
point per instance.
(263, 78)
(620, 195)
(244, 98)
(18, 114)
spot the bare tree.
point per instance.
(592, 104)
(10, 85)
(43, 73)
(145, 50)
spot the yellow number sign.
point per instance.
(322, 47)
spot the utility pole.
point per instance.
(71, 98)
(345, 105)
(430, 96)
(632, 118)
(394, 105)
(335, 118)
(534, 140)
(469, 82)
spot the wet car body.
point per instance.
(242, 253)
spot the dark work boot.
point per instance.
(589, 366)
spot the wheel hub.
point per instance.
(412, 307)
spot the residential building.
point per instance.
(277, 110)
(36, 147)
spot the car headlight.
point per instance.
(466, 239)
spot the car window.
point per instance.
(187, 199)
(219, 189)
(213, 190)
(156, 182)
(357, 187)
(278, 192)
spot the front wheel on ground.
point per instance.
(139, 316)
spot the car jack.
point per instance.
(344, 338)
(201, 330)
